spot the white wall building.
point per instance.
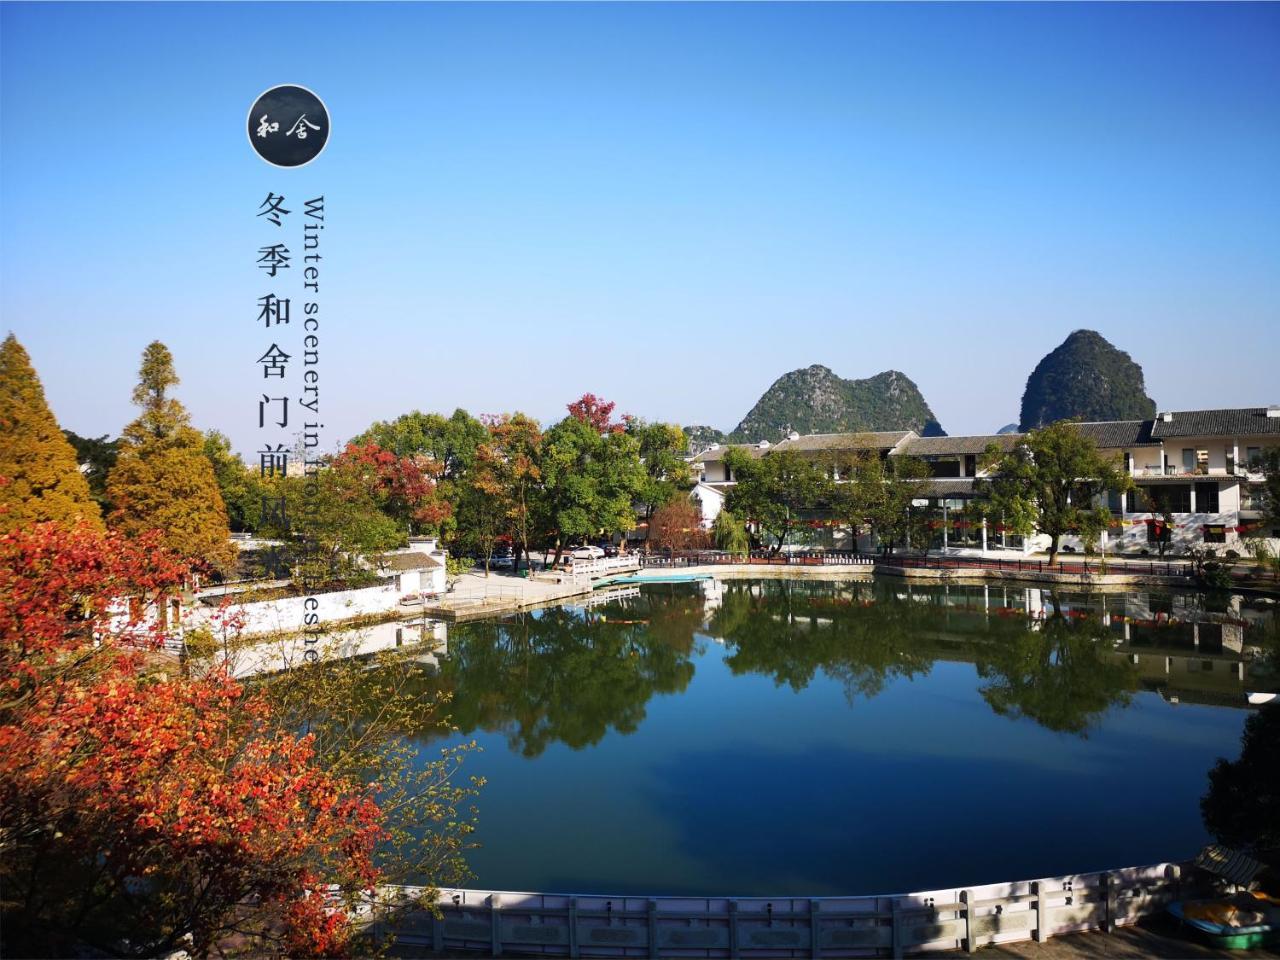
(1202, 466)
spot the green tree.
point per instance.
(334, 522)
(96, 456)
(729, 534)
(449, 442)
(774, 490)
(590, 480)
(484, 503)
(237, 483)
(40, 478)
(666, 474)
(1271, 486)
(877, 491)
(1050, 483)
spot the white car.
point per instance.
(587, 553)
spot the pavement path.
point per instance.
(1157, 936)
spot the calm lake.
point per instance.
(811, 738)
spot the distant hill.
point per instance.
(815, 400)
(700, 437)
(1085, 377)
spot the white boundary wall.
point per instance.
(597, 926)
(288, 614)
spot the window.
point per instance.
(1172, 498)
(1188, 459)
(1113, 502)
(1229, 455)
(1253, 457)
(1202, 461)
(1206, 497)
(1215, 533)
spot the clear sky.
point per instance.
(669, 205)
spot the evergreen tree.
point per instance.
(162, 478)
(39, 476)
(238, 484)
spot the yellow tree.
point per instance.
(39, 476)
(162, 479)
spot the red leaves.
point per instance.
(185, 782)
(407, 485)
(596, 412)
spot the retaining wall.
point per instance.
(539, 924)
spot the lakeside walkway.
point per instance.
(475, 596)
(1153, 937)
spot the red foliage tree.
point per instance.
(406, 487)
(144, 812)
(677, 525)
(597, 412)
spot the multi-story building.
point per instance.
(1197, 476)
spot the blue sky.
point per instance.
(669, 205)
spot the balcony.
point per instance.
(1174, 470)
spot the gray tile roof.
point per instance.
(867, 440)
(1238, 422)
(716, 454)
(410, 560)
(956, 446)
(1114, 434)
(944, 487)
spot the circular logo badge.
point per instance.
(288, 126)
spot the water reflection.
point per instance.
(568, 674)
(1058, 658)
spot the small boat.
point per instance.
(1241, 921)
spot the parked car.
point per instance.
(587, 552)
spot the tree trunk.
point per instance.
(1053, 548)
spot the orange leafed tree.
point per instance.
(142, 812)
(39, 476)
(162, 479)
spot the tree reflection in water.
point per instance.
(1055, 671)
(570, 675)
